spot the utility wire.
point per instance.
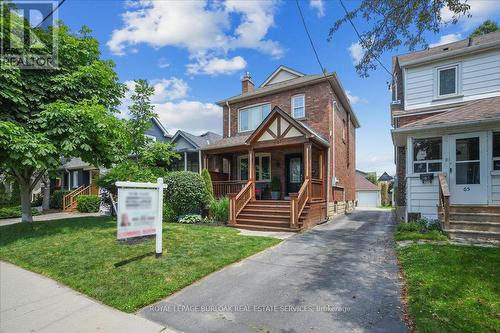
(50, 14)
(361, 38)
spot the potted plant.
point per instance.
(275, 188)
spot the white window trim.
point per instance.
(293, 105)
(412, 161)
(258, 156)
(458, 85)
(249, 107)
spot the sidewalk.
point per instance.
(48, 217)
(32, 303)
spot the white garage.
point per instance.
(367, 193)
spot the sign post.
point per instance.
(140, 211)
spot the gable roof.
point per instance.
(157, 122)
(363, 184)
(277, 71)
(385, 177)
(198, 141)
(298, 125)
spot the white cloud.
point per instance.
(357, 52)
(377, 163)
(162, 63)
(445, 39)
(217, 66)
(480, 11)
(355, 99)
(203, 28)
(319, 6)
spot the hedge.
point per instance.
(56, 198)
(8, 212)
(186, 192)
(88, 203)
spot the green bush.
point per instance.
(8, 212)
(410, 226)
(56, 199)
(168, 214)
(208, 186)
(88, 203)
(191, 218)
(219, 209)
(186, 192)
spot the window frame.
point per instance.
(427, 162)
(493, 157)
(292, 103)
(258, 157)
(438, 70)
(251, 107)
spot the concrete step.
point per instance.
(264, 228)
(474, 209)
(475, 226)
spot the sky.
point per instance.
(195, 53)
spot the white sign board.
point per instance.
(137, 212)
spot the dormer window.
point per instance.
(447, 81)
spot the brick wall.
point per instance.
(401, 121)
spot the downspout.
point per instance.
(229, 119)
(334, 182)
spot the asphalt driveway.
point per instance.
(340, 277)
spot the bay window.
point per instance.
(262, 167)
(250, 117)
(427, 155)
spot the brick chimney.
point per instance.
(247, 84)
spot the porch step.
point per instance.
(264, 228)
(266, 210)
(474, 209)
(475, 226)
(474, 235)
(267, 217)
(259, 222)
(475, 217)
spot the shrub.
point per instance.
(88, 203)
(168, 214)
(8, 212)
(56, 199)
(208, 186)
(410, 226)
(422, 225)
(219, 209)
(186, 192)
(191, 218)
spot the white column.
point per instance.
(199, 161)
(185, 161)
(159, 225)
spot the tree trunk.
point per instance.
(45, 192)
(25, 189)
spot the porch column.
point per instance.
(308, 165)
(185, 161)
(251, 170)
(199, 161)
(205, 161)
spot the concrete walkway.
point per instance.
(32, 303)
(48, 217)
(340, 277)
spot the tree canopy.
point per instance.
(485, 28)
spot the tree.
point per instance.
(207, 179)
(485, 28)
(66, 111)
(372, 178)
(396, 23)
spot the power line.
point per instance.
(361, 38)
(50, 14)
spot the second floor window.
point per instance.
(251, 117)
(298, 106)
(427, 155)
(447, 81)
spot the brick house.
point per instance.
(287, 156)
(446, 133)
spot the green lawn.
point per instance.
(415, 235)
(452, 288)
(82, 254)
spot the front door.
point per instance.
(294, 173)
(468, 168)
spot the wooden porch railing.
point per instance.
(317, 189)
(224, 188)
(444, 200)
(238, 201)
(69, 200)
(299, 201)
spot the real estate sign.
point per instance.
(137, 212)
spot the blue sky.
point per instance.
(195, 53)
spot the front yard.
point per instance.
(452, 288)
(82, 252)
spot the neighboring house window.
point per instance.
(427, 155)
(298, 106)
(251, 117)
(496, 151)
(447, 81)
(262, 167)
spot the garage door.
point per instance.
(368, 199)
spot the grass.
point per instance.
(452, 288)
(415, 235)
(82, 253)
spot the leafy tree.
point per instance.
(485, 28)
(157, 154)
(372, 178)
(64, 111)
(395, 23)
